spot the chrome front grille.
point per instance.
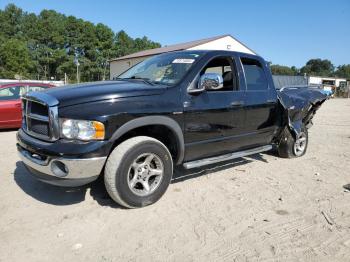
(40, 116)
(40, 127)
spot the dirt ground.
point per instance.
(260, 208)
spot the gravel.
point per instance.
(257, 208)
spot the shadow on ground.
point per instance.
(61, 196)
(8, 130)
(44, 192)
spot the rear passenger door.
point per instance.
(260, 102)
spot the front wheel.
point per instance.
(138, 172)
(290, 147)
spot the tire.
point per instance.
(288, 145)
(134, 164)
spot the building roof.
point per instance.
(170, 48)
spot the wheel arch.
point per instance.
(145, 121)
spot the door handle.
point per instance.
(237, 103)
(271, 101)
(187, 104)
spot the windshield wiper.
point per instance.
(146, 80)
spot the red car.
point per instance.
(10, 102)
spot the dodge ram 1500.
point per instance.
(189, 108)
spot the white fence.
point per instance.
(56, 83)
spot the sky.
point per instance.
(284, 32)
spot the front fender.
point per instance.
(154, 120)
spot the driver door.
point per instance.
(214, 118)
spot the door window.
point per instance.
(224, 67)
(254, 75)
(11, 93)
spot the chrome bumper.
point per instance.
(63, 168)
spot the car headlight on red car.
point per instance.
(82, 129)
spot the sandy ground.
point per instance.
(260, 208)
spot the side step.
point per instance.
(216, 159)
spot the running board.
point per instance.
(212, 160)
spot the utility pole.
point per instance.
(78, 80)
(105, 69)
(76, 62)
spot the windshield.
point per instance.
(162, 69)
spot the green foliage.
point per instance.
(15, 60)
(125, 44)
(283, 70)
(45, 45)
(343, 71)
(314, 67)
(318, 67)
(11, 21)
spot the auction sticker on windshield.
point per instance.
(183, 61)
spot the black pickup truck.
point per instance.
(190, 108)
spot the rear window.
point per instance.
(254, 74)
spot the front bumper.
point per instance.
(62, 171)
(47, 164)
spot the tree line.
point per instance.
(315, 67)
(48, 46)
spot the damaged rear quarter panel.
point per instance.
(299, 104)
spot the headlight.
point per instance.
(82, 129)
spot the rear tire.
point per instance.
(138, 172)
(289, 147)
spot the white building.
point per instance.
(224, 42)
(330, 81)
(339, 86)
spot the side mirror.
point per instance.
(211, 81)
(208, 81)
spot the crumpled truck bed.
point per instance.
(299, 105)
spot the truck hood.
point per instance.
(299, 105)
(96, 91)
